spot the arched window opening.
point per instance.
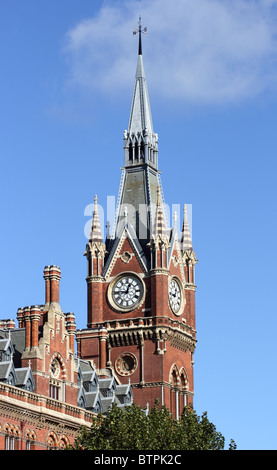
(64, 442)
(51, 441)
(30, 438)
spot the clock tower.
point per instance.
(140, 279)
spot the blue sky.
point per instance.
(67, 74)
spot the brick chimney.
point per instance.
(71, 328)
(52, 276)
(35, 314)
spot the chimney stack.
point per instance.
(52, 276)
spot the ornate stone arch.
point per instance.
(51, 440)
(30, 435)
(184, 382)
(58, 362)
(17, 431)
(12, 429)
(64, 442)
(12, 436)
(7, 428)
(30, 438)
(174, 376)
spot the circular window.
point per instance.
(126, 364)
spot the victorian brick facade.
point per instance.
(46, 392)
(140, 335)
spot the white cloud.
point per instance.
(196, 50)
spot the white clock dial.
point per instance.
(174, 296)
(55, 368)
(127, 292)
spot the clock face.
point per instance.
(175, 296)
(127, 292)
(55, 368)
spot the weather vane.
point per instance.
(140, 30)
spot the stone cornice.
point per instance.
(155, 271)
(128, 331)
(190, 286)
(95, 279)
(161, 384)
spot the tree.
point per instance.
(133, 429)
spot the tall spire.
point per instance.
(186, 243)
(140, 141)
(140, 116)
(140, 177)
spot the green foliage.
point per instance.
(132, 429)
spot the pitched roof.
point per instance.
(128, 231)
(5, 368)
(4, 344)
(91, 399)
(24, 374)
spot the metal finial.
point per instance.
(140, 30)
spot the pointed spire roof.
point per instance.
(186, 242)
(140, 116)
(159, 226)
(95, 231)
(140, 176)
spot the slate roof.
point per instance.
(17, 336)
(128, 231)
(107, 392)
(5, 370)
(95, 394)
